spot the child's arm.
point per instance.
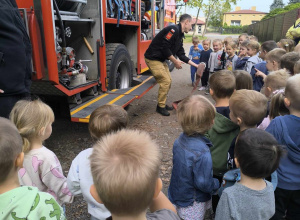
(260, 73)
(191, 53)
(73, 178)
(203, 179)
(223, 208)
(161, 202)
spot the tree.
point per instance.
(216, 17)
(276, 4)
(196, 4)
(293, 1)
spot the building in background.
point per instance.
(243, 17)
(200, 25)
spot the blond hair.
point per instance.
(277, 79)
(30, 117)
(292, 91)
(10, 147)
(243, 80)
(287, 44)
(222, 83)
(218, 41)
(207, 40)
(233, 44)
(195, 115)
(195, 40)
(275, 55)
(227, 40)
(253, 38)
(125, 168)
(106, 119)
(297, 67)
(254, 45)
(249, 105)
(277, 106)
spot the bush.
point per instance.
(234, 29)
(278, 11)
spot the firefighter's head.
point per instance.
(186, 22)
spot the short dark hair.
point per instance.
(288, 61)
(222, 83)
(185, 17)
(10, 147)
(269, 45)
(257, 152)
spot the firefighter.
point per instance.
(15, 57)
(165, 45)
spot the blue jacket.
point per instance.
(195, 53)
(240, 63)
(192, 174)
(258, 81)
(286, 130)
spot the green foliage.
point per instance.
(278, 11)
(234, 29)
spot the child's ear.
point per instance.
(211, 92)
(158, 188)
(94, 194)
(269, 89)
(42, 131)
(236, 163)
(19, 160)
(287, 102)
(239, 121)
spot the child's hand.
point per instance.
(219, 63)
(1, 91)
(260, 73)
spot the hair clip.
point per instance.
(278, 91)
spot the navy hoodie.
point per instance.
(257, 80)
(286, 130)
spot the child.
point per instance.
(252, 50)
(286, 131)
(192, 182)
(288, 61)
(194, 55)
(253, 38)
(272, 61)
(104, 120)
(125, 170)
(41, 166)
(205, 54)
(275, 83)
(232, 57)
(247, 109)
(18, 202)
(222, 85)
(286, 44)
(252, 197)
(243, 37)
(266, 47)
(243, 80)
(243, 57)
(214, 62)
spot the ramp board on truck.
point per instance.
(122, 97)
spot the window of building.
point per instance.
(235, 22)
(253, 22)
(232, 15)
(240, 15)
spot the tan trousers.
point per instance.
(161, 73)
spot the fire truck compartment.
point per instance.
(122, 97)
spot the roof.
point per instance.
(198, 21)
(245, 12)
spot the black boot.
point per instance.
(162, 111)
(169, 108)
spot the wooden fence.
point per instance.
(274, 28)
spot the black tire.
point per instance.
(171, 65)
(119, 67)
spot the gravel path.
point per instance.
(68, 138)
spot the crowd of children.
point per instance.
(252, 130)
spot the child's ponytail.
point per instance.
(277, 106)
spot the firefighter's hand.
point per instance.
(178, 64)
(1, 91)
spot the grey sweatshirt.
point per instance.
(239, 202)
(251, 62)
(214, 58)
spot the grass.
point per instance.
(188, 38)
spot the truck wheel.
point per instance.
(118, 66)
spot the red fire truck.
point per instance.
(91, 52)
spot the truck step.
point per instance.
(122, 97)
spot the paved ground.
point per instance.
(69, 138)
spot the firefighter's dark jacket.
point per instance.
(15, 51)
(169, 41)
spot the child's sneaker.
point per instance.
(201, 88)
(207, 90)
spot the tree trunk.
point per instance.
(206, 22)
(196, 22)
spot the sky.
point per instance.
(261, 5)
